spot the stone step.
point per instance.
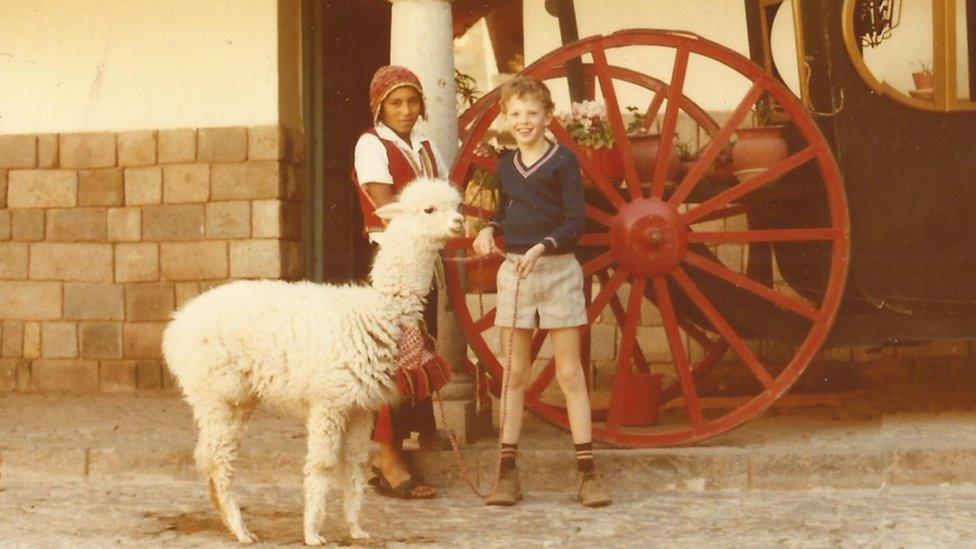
(846, 444)
(686, 469)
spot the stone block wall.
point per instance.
(103, 235)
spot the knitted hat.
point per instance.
(388, 78)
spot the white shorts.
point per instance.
(550, 297)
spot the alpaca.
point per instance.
(325, 353)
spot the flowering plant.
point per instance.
(587, 123)
(636, 124)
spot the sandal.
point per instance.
(404, 490)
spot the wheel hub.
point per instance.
(648, 237)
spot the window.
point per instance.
(917, 52)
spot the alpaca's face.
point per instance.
(427, 210)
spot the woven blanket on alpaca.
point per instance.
(420, 370)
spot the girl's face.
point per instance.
(401, 109)
(527, 119)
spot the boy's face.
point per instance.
(527, 119)
(401, 109)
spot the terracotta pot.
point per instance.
(924, 80)
(757, 149)
(607, 161)
(644, 149)
(723, 172)
(686, 166)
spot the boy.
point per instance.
(541, 214)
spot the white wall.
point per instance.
(722, 21)
(962, 49)
(93, 65)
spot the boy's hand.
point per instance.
(527, 261)
(484, 243)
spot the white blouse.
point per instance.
(372, 163)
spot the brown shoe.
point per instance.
(591, 490)
(507, 491)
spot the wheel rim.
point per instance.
(652, 243)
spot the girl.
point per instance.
(388, 156)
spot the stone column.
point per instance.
(422, 39)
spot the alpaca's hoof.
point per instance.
(356, 532)
(246, 537)
(314, 539)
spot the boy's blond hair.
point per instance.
(526, 86)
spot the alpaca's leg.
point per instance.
(325, 427)
(221, 428)
(355, 452)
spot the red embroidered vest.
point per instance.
(403, 172)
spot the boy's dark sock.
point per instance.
(584, 457)
(509, 452)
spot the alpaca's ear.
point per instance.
(389, 211)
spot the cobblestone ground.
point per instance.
(178, 514)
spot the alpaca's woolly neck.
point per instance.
(404, 272)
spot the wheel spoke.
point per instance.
(542, 381)
(537, 341)
(594, 239)
(681, 366)
(474, 211)
(607, 291)
(627, 342)
(618, 312)
(486, 321)
(696, 334)
(764, 235)
(652, 110)
(594, 174)
(726, 212)
(616, 121)
(598, 263)
(485, 162)
(718, 141)
(723, 328)
(598, 215)
(715, 352)
(765, 178)
(670, 124)
(737, 279)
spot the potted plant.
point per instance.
(687, 155)
(924, 80)
(588, 125)
(482, 192)
(924, 77)
(467, 90)
(644, 147)
(723, 172)
(761, 146)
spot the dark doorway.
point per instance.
(343, 42)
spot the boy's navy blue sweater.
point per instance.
(542, 203)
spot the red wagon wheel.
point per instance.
(664, 295)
